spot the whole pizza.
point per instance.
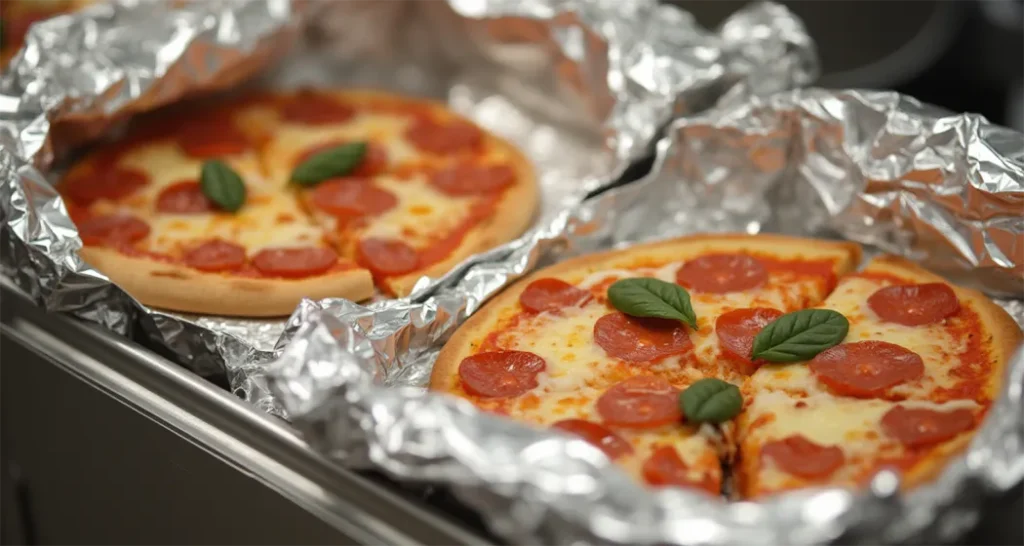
(244, 207)
(767, 358)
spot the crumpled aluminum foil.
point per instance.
(582, 86)
(873, 167)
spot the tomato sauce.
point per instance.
(974, 368)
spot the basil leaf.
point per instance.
(710, 400)
(800, 335)
(222, 185)
(649, 297)
(337, 161)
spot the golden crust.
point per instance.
(444, 375)
(179, 288)
(514, 213)
(1005, 337)
(1005, 334)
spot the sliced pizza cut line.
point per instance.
(877, 399)
(401, 210)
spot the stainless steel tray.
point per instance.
(106, 442)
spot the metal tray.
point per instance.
(106, 442)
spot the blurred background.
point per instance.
(964, 55)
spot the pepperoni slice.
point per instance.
(801, 457)
(215, 255)
(918, 427)
(722, 273)
(113, 184)
(866, 368)
(640, 402)
(914, 304)
(551, 295)
(612, 444)
(736, 330)
(500, 374)
(385, 258)
(184, 197)
(112, 229)
(210, 139)
(666, 468)
(308, 107)
(352, 197)
(639, 340)
(375, 160)
(470, 179)
(294, 263)
(455, 136)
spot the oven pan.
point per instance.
(155, 454)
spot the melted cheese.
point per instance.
(697, 447)
(269, 218)
(936, 345)
(265, 222)
(291, 141)
(421, 214)
(851, 424)
(783, 291)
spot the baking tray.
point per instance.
(155, 454)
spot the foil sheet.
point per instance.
(582, 86)
(874, 167)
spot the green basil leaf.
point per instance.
(710, 400)
(222, 185)
(800, 335)
(649, 297)
(337, 161)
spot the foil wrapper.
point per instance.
(874, 167)
(581, 86)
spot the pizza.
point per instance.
(766, 359)
(16, 16)
(243, 207)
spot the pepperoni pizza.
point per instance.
(590, 347)
(245, 207)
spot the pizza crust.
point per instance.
(179, 288)
(445, 373)
(515, 212)
(1006, 334)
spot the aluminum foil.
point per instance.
(873, 167)
(582, 86)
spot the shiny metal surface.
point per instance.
(202, 418)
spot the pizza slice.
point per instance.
(788, 442)
(147, 222)
(912, 336)
(428, 189)
(914, 376)
(552, 347)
